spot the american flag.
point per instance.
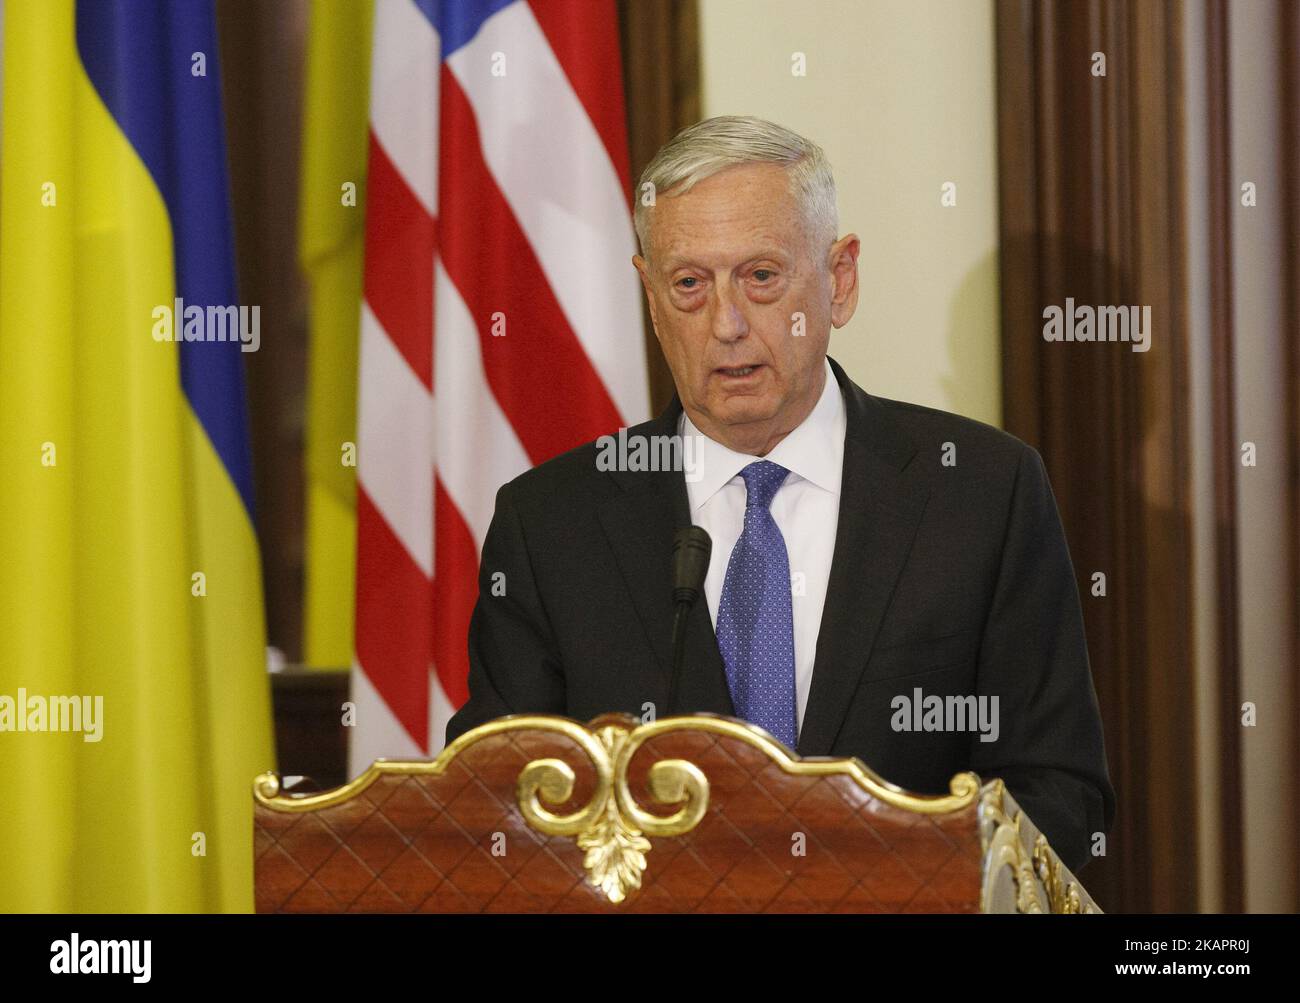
(501, 322)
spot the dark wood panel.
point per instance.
(661, 79)
(262, 58)
(310, 739)
(1290, 157)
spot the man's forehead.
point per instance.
(707, 251)
(749, 204)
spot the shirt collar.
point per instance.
(813, 451)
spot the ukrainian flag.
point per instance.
(129, 567)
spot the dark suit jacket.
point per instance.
(951, 578)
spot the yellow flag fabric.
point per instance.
(130, 587)
(331, 238)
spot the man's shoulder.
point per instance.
(579, 476)
(569, 471)
(904, 429)
(954, 436)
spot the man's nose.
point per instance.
(729, 322)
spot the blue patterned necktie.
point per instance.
(755, 619)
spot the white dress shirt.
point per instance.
(806, 509)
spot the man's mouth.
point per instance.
(739, 372)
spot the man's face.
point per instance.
(743, 303)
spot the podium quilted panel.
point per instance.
(537, 814)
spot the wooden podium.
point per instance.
(535, 813)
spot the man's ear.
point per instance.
(643, 270)
(844, 277)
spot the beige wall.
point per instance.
(900, 94)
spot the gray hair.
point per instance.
(710, 146)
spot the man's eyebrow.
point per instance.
(675, 261)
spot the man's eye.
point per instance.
(687, 279)
(762, 274)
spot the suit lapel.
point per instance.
(880, 510)
(639, 524)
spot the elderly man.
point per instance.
(875, 564)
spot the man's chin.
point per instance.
(738, 412)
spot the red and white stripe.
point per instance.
(489, 195)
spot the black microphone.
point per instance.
(691, 550)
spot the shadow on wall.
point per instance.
(968, 345)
